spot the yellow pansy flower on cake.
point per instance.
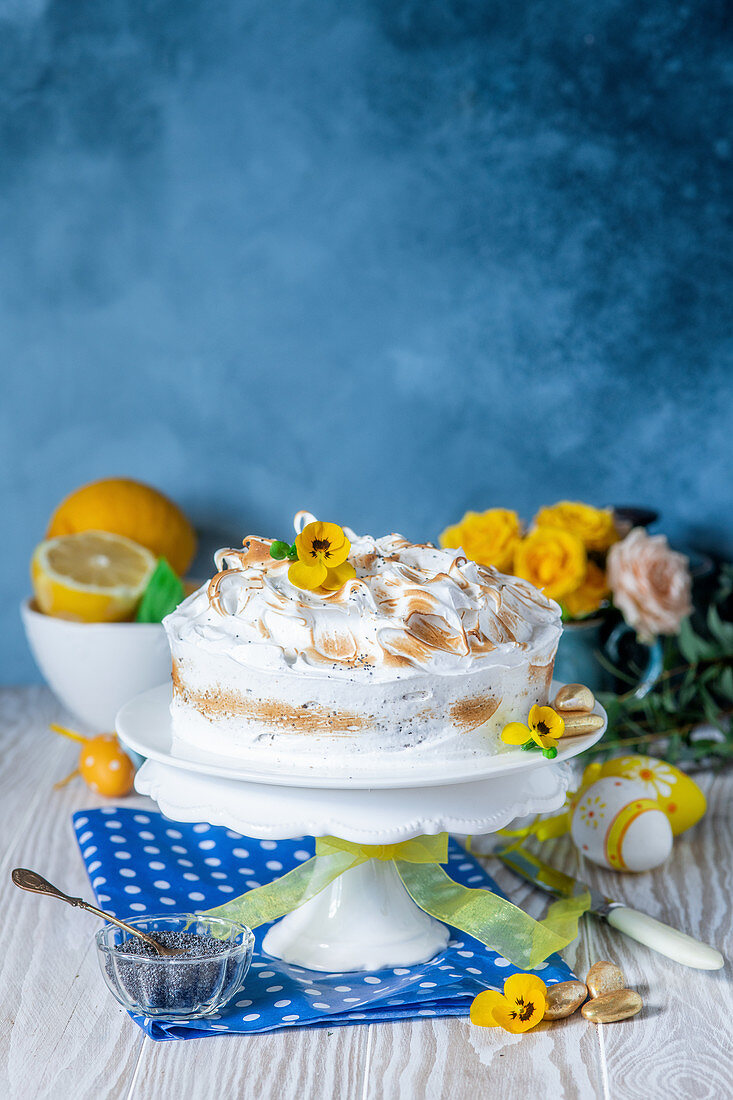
(322, 552)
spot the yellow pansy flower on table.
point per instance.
(322, 552)
(593, 526)
(488, 538)
(519, 1008)
(553, 560)
(544, 728)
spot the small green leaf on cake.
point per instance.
(279, 550)
(163, 594)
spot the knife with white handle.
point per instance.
(639, 926)
(663, 938)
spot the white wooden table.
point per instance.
(63, 1036)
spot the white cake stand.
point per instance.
(365, 920)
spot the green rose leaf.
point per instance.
(163, 594)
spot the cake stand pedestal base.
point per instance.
(365, 920)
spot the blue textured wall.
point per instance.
(385, 259)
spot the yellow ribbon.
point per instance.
(546, 828)
(422, 849)
(487, 917)
(493, 920)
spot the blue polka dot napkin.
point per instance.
(143, 863)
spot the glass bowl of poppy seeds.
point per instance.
(181, 987)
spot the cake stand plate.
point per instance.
(386, 816)
(144, 724)
(365, 920)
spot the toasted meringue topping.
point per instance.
(410, 607)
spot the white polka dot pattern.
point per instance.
(148, 865)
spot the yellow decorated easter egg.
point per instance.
(678, 796)
(615, 825)
(105, 767)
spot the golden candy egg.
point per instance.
(105, 767)
(573, 697)
(578, 722)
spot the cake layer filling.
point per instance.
(240, 713)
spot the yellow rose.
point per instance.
(589, 596)
(552, 559)
(593, 526)
(489, 538)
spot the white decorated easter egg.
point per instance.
(616, 825)
(678, 796)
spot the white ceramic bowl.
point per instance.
(94, 668)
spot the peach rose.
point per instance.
(650, 583)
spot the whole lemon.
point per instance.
(129, 508)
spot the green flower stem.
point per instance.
(708, 662)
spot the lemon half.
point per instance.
(93, 577)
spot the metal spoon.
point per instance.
(36, 884)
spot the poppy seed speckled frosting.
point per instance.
(421, 654)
